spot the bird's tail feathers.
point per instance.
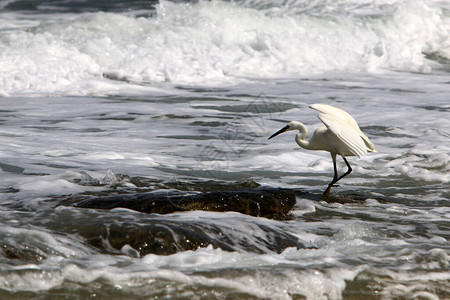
(370, 146)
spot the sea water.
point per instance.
(99, 95)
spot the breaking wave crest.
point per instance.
(217, 43)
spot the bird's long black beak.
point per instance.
(279, 131)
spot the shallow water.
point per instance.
(183, 96)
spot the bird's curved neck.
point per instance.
(301, 136)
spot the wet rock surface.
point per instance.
(164, 235)
(261, 202)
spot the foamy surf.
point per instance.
(180, 98)
(219, 43)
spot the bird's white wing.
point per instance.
(345, 128)
(337, 113)
(349, 137)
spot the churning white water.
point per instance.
(124, 97)
(218, 43)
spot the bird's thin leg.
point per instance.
(335, 178)
(349, 170)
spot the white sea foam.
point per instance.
(308, 282)
(296, 269)
(217, 43)
(345, 53)
(38, 245)
(33, 192)
(151, 269)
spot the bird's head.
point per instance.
(292, 125)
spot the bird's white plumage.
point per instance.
(340, 136)
(345, 128)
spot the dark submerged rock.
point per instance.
(164, 237)
(263, 202)
(167, 235)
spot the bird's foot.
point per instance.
(327, 191)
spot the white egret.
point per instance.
(340, 135)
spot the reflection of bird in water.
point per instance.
(340, 135)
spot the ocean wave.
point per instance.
(217, 43)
